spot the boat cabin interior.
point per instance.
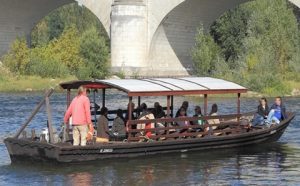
(168, 88)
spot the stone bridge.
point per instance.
(148, 37)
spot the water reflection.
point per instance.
(272, 164)
(80, 179)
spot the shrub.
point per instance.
(18, 57)
(47, 68)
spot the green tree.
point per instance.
(273, 35)
(261, 45)
(66, 49)
(18, 57)
(206, 54)
(229, 31)
(95, 53)
(40, 34)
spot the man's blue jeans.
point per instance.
(272, 118)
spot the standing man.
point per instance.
(79, 109)
(277, 112)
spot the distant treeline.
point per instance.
(257, 45)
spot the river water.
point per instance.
(270, 164)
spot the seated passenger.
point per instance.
(277, 112)
(158, 111)
(213, 112)
(102, 124)
(184, 105)
(262, 112)
(182, 114)
(119, 128)
(145, 115)
(200, 122)
(132, 110)
(198, 113)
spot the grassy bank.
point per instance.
(35, 83)
(29, 83)
(12, 83)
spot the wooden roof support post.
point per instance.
(49, 114)
(239, 105)
(95, 109)
(68, 104)
(68, 97)
(139, 105)
(168, 106)
(103, 97)
(172, 106)
(168, 110)
(205, 104)
(129, 118)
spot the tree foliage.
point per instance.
(259, 42)
(96, 63)
(18, 57)
(69, 41)
(206, 54)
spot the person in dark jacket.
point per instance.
(277, 112)
(262, 112)
(158, 111)
(185, 105)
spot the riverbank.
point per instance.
(30, 83)
(20, 84)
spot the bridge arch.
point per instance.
(172, 39)
(19, 17)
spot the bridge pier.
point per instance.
(129, 36)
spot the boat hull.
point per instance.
(22, 149)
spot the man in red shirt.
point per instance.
(79, 109)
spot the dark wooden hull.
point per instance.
(20, 149)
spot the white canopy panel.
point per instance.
(172, 84)
(214, 84)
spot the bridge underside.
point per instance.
(18, 17)
(148, 38)
(171, 46)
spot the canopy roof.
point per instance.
(163, 86)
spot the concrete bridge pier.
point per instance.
(129, 36)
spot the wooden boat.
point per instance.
(233, 131)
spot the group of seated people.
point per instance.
(269, 116)
(264, 116)
(120, 126)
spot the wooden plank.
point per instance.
(186, 134)
(171, 120)
(49, 115)
(35, 111)
(231, 124)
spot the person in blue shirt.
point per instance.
(277, 112)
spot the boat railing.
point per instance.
(229, 124)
